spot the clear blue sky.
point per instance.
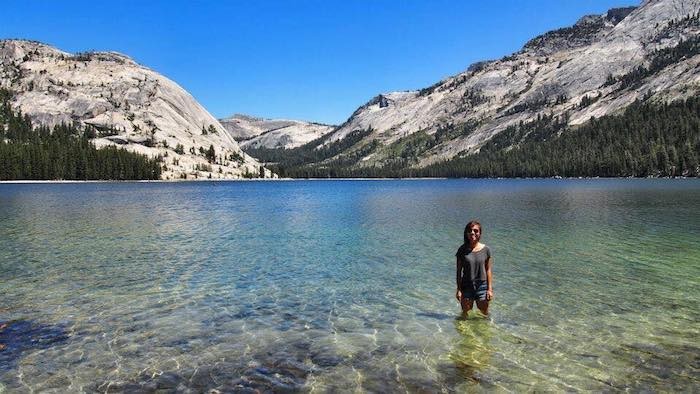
(314, 60)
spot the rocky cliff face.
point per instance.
(130, 105)
(575, 73)
(586, 31)
(251, 132)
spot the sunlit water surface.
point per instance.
(345, 285)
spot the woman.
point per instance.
(474, 277)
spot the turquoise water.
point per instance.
(348, 286)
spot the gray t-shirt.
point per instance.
(473, 263)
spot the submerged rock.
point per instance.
(19, 336)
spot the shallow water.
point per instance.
(346, 285)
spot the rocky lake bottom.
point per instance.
(319, 286)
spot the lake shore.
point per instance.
(29, 181)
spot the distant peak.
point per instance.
(25, 46)
(586, 30)
(589, 20)
(615, 15)
(20, 41)
(18, 48)
(110, 56)
(245, 117)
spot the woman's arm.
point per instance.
(458, 294)
(489, 279)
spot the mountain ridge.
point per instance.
(256, 132)
(132, 106)
(577, 82)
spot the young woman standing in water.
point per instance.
(474, 277)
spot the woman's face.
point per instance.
(474, 234)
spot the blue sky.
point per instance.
(299, 59)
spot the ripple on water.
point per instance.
(20, 337)
(339, 286)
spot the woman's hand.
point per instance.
(489, 294)
(458, 295)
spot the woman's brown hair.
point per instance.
(469, 227)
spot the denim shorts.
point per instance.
(475, 290)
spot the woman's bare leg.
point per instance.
(467, 304)
(483, 307)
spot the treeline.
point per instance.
(659, 60)
(646, 140)
(62, 153)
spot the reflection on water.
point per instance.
(472, 352)
(348, 285)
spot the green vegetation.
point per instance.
(203, 167)
(646, 140)
(430, 89)
(340, 158)
(235, 156)
(210, 130)
(538, 130)
(210, 154)
(658, 61)
(567, 35)
(588, 100)
(311, 152)
(533, 106)
(64, 152)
